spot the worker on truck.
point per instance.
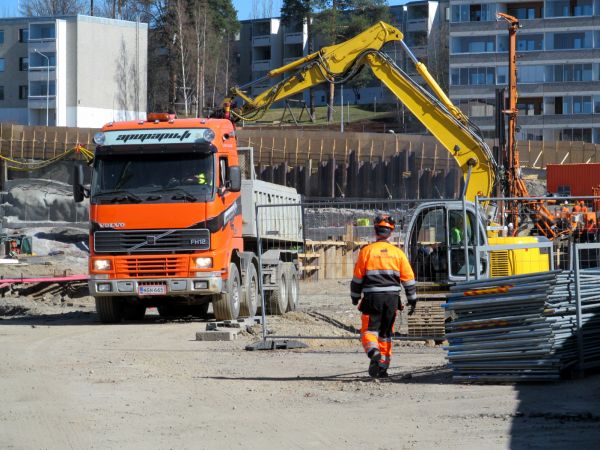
(379, 273)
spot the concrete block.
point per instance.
(218, 335)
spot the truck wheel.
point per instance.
(109, 309)
(277, 299)
(293, 287)
(249, 303)
(226, 306)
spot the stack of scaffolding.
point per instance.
(523, 327)
(569, 344)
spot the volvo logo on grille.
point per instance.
(151, 240)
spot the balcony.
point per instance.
(42, 32)
(261, 65)
(39, 101)
(41, 73)
(293, 38)
(261, 41)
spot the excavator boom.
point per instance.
(339, 63)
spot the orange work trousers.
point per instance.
(378, 317)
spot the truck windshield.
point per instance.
(172, 177)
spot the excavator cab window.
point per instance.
(429, 245)
(437, 244)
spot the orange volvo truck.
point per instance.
(173, 224)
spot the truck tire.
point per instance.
(249, 304)
(293, 287)
(109, 309)
(277, 299)
(226, 306)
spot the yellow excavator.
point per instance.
(436, 256)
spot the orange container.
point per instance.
(579, 179)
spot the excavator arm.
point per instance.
(339, 63)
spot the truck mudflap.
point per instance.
(209, 284)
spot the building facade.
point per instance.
(76, 71)
(558, 49)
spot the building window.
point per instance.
(1, 92)
(23, 35)
(530, 106)
(1, 36)
(23, 92)
(2, 64)
(568, 41)
(569, 72)
(576, 134)
(530, 42)
(582, 104)
(418, 12)
(531, 74)
(472, 76)
(568, 8)
(525, 11)
(472, 44)
(472, 13)
(477, 107)
(23, 64)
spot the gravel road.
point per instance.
(67, 382)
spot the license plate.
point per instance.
(152, 290)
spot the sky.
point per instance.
(9, 8)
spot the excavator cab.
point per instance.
(435, 242)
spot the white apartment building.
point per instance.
(76, 71)
(558, 48)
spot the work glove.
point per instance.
(355, 300)
(413, 304)
(400, 305)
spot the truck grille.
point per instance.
(151, 241)
(140, 267)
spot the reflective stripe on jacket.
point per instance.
(382, 267)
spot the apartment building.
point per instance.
(558, 65)
(266, 44)
(76, 71)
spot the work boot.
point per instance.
(383, 373)
(374, 355)
(374, 369)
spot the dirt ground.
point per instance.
(66, 381)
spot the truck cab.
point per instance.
(166, 225)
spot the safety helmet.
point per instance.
(384, 224)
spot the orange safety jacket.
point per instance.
(382, 267)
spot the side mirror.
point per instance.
(235, 179)
(78, 190)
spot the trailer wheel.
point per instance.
(109, 309)
(293, 288)
(277, 299)
(226, 306)
(249, 304)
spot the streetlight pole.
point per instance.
(47, 81)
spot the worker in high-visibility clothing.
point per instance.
(379, 273)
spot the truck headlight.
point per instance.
(99, 138)
(203, 263)
(102, 264)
